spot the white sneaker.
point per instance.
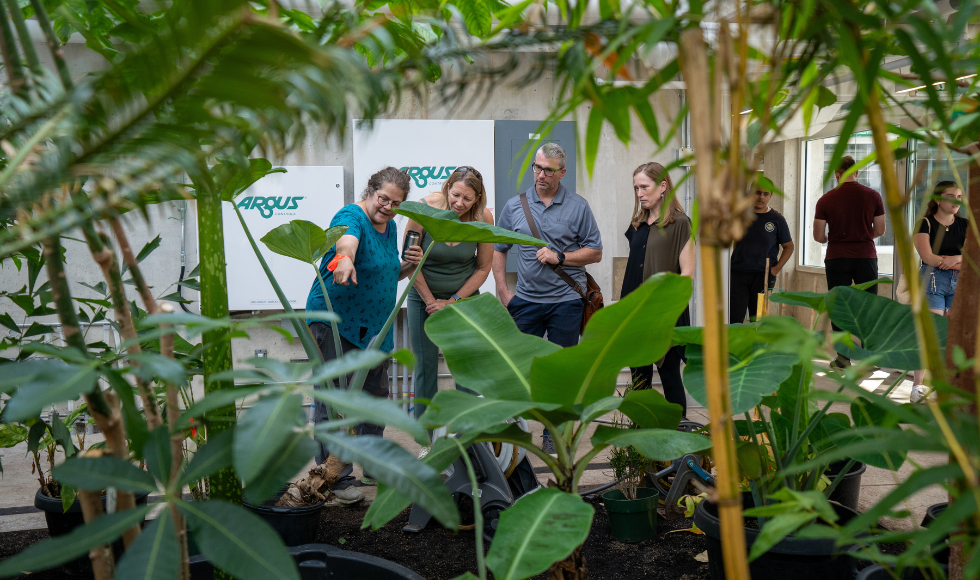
(918, 393)
(346, 496)
(424, 451)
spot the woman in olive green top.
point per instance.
(452, 271)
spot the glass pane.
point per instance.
(927, 167)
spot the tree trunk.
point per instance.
(964, 325)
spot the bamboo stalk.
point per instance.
(716, 194)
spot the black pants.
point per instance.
(669, 370)
(848, 271)
(670, 377)
(376, 384)
(745, 288)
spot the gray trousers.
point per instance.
(376, 384)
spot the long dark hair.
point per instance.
(657, 174)
(940, 189)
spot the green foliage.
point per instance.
(302, 240)
(540, 528)
(794, 511)
(444, 226)
(155, 555)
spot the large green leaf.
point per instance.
(866, 414)
(262, 430)
(389, 502)
(216, 400)
(96, 473)
(748, 383)
(444, 226)
(392, 465)
(55, 551)
(655, 444)
(476, 15)
(631, 333)
(154, 555)
(294, 453)
(11, 435)
(885, 327)
(648, 409)
(360, 405)
(233, 180)
(462, 412)
(302, 240)
(46, 385)
(484, 349)
(157, 454)
(812, 300)
(539, 529)
(238, 541)
(213, 456)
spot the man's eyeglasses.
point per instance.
(467, 168)
(385, 201)
(549, 172)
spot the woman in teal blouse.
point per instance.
(452, 271)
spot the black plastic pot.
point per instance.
(933, 512)
(794, 558)
(61, 522)
(322, 562)
(632, 520)
(877, 572)
(848, 492)
(295, 525)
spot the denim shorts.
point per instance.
(940, 286)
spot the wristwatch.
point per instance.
(561, 258)
(456, 297)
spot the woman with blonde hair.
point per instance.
(452, 271)
(660, 241)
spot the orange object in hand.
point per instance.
(332, 264)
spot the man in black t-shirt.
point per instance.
(767, 233)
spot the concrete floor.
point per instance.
(18, 485)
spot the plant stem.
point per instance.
(54, 43)
(477, 510)
(103, 564)
(225, 484)
(11, 58)
(302, 330)
(361, 374)
(176, 456)
(104, 407)
(333, 326)
(130, 260)
(27, 45)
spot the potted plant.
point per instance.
(788, 446)
(632, 507)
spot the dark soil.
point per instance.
(439, 554)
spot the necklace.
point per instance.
(946, 225)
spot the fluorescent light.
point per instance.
(934, 84)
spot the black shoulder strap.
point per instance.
(534, 232)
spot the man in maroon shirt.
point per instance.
(856, 217)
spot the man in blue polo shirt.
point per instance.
(543, 301)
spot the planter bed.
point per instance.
(438, 554)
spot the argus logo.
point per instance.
(422, 175)
(267, 205)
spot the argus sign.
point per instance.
(429, 152)
(312, 193)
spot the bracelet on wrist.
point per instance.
(332, 265)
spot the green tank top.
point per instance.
(448, 267)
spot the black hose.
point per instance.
(180, 279)
(596, 490)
